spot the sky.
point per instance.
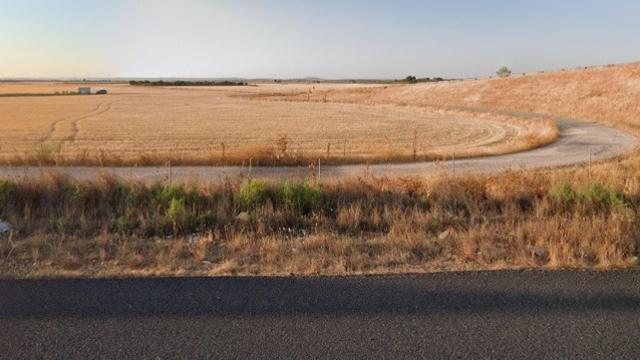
(304, 38)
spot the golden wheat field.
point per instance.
(235, 125)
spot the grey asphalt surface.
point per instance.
(579, 142)
(483, 315)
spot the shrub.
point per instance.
(168, 193)
(598, 195)
(301, 196)
(252, 194)
(503, 72)
(8, 192)
(589, 195)
(137, 197)
(562, 193)
(124, 225)
(411, 79)
(176, 210)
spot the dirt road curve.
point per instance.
(579, 142)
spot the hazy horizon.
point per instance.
(298, 39)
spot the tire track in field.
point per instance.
(74, 124)
(51, 137)
(53, 127)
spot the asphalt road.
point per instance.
(579, 143)
(512, 314)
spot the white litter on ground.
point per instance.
(4, 227)
(243, 217)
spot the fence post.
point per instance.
(415, 141)
(453, 163)
(589, 162)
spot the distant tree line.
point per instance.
(409, 79)
(186, 83)
(413, 80)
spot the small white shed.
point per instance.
(84, 90)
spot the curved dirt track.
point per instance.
(579, 143)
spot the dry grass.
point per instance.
(232, 126)
(608, 94)
(367, 225)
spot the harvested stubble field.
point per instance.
(579, 217)
(237, 125)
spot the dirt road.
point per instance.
(579, 143)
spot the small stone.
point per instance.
(193, 239)
(534, 250)
(4, 227)
(445, 234)
(243, 216)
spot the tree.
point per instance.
(411, 79)
(503, 72)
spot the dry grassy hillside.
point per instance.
(608, 94)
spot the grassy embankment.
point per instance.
(542, 219)
(368, 225)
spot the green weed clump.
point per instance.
(562, 193)
(252, 193)
(591, 196)
(598, 195)
(301, 196)
(8, 191)
(176, 211)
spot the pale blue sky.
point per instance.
(298, 38)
